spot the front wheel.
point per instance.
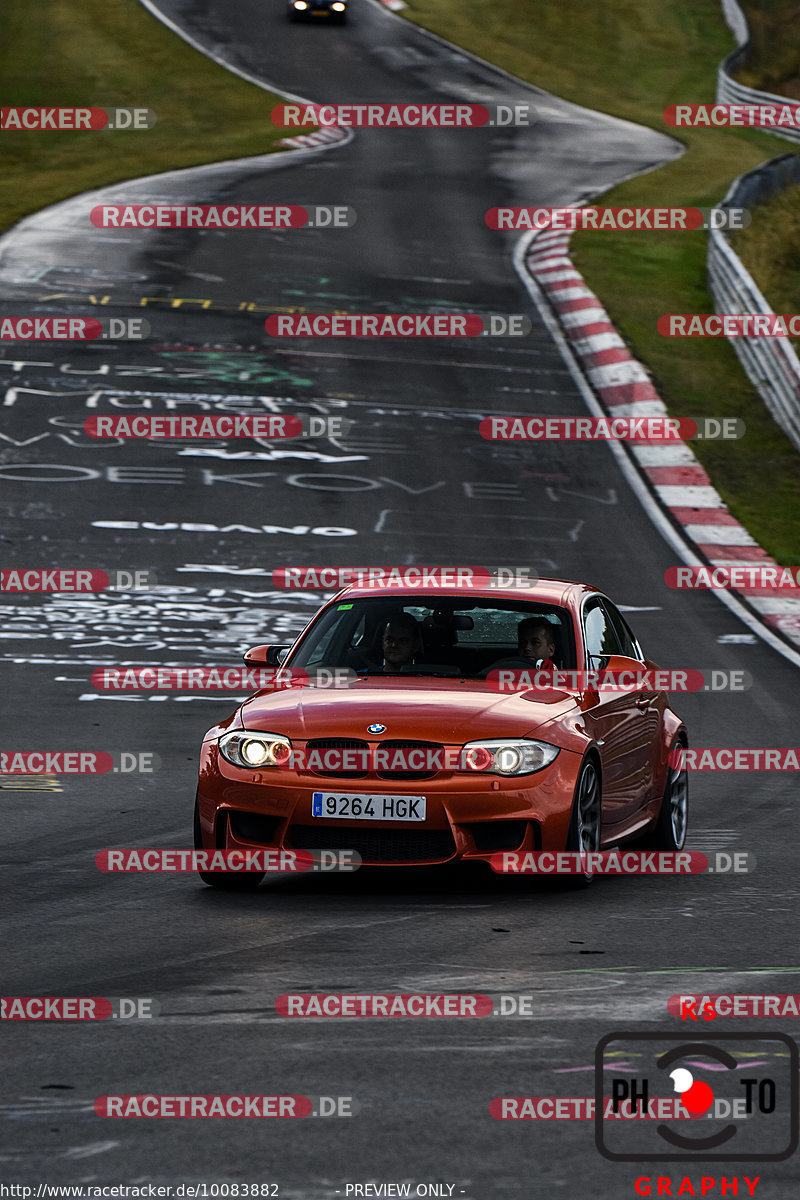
(584, 827)
(231, 881)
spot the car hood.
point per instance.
(436, 710)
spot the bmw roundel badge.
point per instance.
(376, 728)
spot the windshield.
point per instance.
(423, 635)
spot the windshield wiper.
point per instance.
(420, 674)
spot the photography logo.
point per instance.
(739, 1094)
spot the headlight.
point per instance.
(508, 756)
(300, 4)
(245, 749)
(337, 7)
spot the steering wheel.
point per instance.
(360, 661)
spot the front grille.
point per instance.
(360, 758)
(497, 835)
(365, 759)
(255, 827)
(428, 750)
(376, 845)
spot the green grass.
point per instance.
(770, 246)
(104, 53)
(631, 58)
(770, 249)
(774, 62)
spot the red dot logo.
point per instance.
(696, 1096)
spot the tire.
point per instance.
(231, 881)
(669, 831)
(586, 819)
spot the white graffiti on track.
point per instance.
(204, 625)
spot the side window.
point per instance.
(601, 640)
(623, 633)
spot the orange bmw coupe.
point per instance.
(445, 740)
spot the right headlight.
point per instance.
(245, 749)
(507, 756)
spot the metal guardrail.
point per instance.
(731, 92)
(771, 364)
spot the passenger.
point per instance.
(536, 641)
(536, 645)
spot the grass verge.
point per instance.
(770, 249)
(631, 58)
(774, 62)
(104, 53)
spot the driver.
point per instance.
(401, 641)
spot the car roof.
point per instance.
(548, 591)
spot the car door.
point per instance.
(623, 723)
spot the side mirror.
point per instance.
(270, 656)
(621, 662)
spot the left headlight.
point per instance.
(508, 756)
(245, 749)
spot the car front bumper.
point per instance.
(468, 817)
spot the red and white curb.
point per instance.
(323, 137)
(621, 383)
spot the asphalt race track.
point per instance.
(412, 482)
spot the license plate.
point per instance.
(320, 12)
(366, 806)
